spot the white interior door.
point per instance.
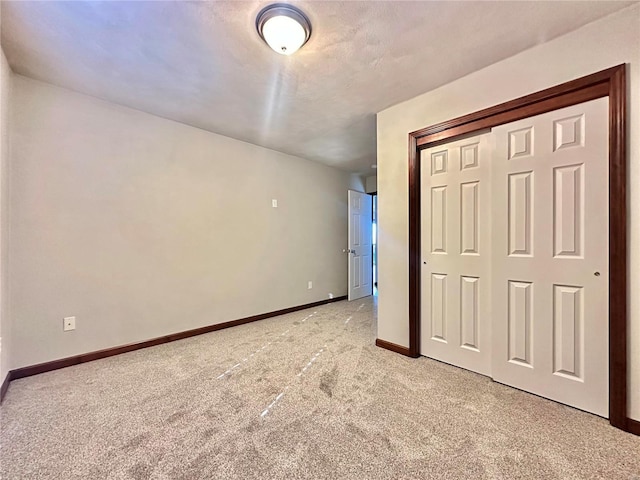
(456, 253)
(550, 255)
(360, 260)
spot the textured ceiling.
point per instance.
(203, 64)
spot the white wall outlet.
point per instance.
(310, 285)
(331, 295)
(274, 203)
(69, 323)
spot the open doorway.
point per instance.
(374, 242)
(360, 248)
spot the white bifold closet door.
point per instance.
(515, 270)
(551, 255)
(456, 253)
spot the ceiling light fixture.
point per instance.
(283, 27)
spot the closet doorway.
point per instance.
(608, 84)
(515, 254)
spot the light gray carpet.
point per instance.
(304, 395)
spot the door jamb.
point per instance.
(606, 83)
(373, 277)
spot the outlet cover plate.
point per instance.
(69, 323)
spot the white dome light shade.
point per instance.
(284, 28)
(283, 34)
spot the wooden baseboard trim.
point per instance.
(633, 426)
(109, 352)
(5, 386)
(394, 347)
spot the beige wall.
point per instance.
(357, 183)
(371, 184)
(140, 226)
(602, 44)
(5, 327)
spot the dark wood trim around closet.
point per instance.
(607, 83)
(109, 352)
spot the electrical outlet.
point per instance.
(274, 203)
(331, 295)
(310, 285)
(69, 323)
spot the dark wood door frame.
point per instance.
(607, 83)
